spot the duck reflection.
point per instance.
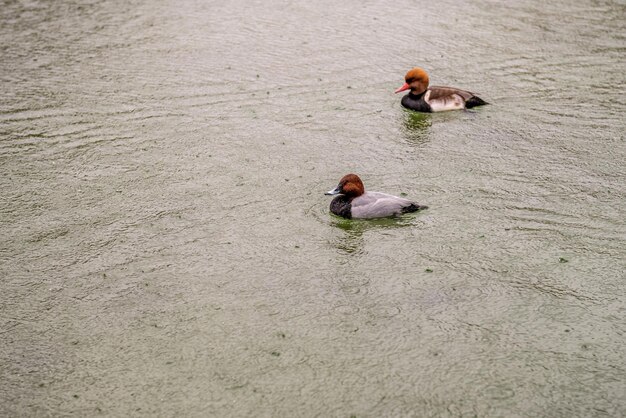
(351, 241)
(417, 126)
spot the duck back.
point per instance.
(379, 205)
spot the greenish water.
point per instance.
(167, 249)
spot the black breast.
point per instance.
(342, 206)
(416, 102)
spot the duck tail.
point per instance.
(413, 207)
(475, 101)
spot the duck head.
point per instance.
(349, 185)
(416, 80)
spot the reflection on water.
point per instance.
(351, 241)
(416, 126)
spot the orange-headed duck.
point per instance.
(435, 98)
(355, 202)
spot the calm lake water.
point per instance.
(167, 249)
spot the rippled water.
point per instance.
(167, 248)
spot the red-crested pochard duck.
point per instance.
(422, 98)
(355, 202)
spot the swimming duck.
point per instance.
(355, 202)
(435, 98)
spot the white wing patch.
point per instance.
(451, 102)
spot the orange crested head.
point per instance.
(415, 79)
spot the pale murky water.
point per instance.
(167, 248)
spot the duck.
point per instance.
(354, 202)
(422, 98)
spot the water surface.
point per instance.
(167, 249)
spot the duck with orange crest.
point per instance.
(354, 202)
(423, 98)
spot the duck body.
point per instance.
(372, 205)
(354, 202)
(423, 98)
(440, 99)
